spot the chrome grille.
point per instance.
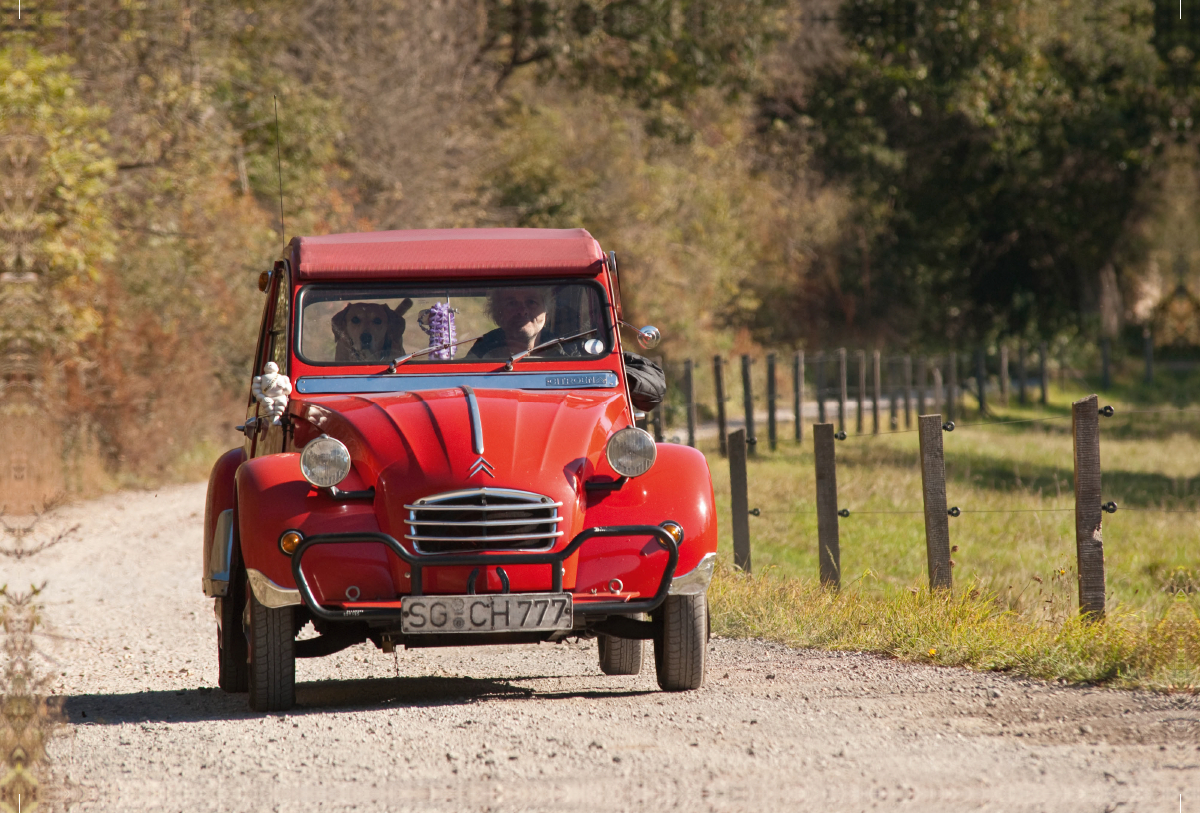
(483, 519)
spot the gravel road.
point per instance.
(540, 728)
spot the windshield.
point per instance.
(353, 325)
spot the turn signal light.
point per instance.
(675, 530)
(290, 541)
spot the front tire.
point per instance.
(272, 657)
(619, 656)
(680, 650)
(233, 672)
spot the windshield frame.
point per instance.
(606, 332)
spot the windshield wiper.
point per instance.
(513, 359)
(426, 351)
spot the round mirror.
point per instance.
(593, 347)
(649, 337)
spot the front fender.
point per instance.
(273, 497)
(221, 497)
(678, 487)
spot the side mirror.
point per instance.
(649, 337)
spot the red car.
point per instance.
(441, 450)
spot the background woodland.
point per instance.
(771, 173)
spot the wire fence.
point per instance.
(893, 403)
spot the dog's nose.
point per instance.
(365, 339)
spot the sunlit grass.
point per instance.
(1014, 606)
(962, 628)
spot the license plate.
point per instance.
(530, 612)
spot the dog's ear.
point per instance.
(338, 324)
(397, 326)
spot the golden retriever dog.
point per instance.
(367, 331)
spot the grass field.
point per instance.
(1015, 599)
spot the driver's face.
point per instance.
(522, 312)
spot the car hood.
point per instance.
(417, 444)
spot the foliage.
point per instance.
(653, 51)
(995, 149)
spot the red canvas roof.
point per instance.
(447, 253)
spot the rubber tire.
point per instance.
(272, 657)
(620, 656)
(233, 651)
(681, 649)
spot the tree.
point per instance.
(995, 149)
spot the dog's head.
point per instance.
(370, 331)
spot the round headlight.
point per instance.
(325, 462)
(631, 452)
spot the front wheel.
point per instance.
(233, 673)
(272, 657)
(680, 650)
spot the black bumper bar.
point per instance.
(418, 562)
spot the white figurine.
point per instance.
(272, 390)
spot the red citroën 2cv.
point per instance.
(441, 450)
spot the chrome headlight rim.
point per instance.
(325, 478)
(621, 444)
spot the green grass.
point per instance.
(1015, 602)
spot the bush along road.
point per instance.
(541, 728)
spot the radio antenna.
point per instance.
(279, 173)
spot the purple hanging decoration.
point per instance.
(441, 330)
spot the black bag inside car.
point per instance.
(647, 383)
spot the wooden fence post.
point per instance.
(771, 439)
(861, 358)
(739, 500)
(748, 406)
(933, 485)
(893, 400)
(1042, 370)
(1004, 382)
(875, 392)
(689, 394)
(719, 384)
(908, 392)
(1089, 539)
(922, 382)
(1022, 376)
(827, 509)
(820, 361)
(798, 393)
(841, 354)
(1148, 352)
(952, 387)
(981, 380)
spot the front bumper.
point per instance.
(417, 563)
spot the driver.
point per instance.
(521, 316)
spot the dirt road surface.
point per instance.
(540, 728)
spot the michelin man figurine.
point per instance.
(272, 390)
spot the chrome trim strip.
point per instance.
(488, 523)
(476, 423)
(270, 594)
(404, 382)
(505, 538)
(694, 582)
(509, 507)
(216, 569)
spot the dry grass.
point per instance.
(1014, 606)
(963, 628)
